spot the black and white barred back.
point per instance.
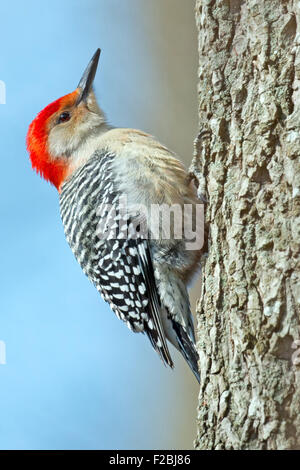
(120, 263)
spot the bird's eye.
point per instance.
(64, 117)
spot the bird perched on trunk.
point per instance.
(95, 166)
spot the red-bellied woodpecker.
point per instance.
(113, 184)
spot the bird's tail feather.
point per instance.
(187, 349)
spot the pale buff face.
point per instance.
(66, 138)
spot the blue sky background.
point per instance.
(75, 376)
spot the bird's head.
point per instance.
(57, 133)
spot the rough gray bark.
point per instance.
(248, 314)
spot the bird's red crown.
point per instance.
(52, 169)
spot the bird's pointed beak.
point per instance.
(87, 78)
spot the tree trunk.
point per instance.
(248, 314)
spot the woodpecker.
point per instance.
(93, 165)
